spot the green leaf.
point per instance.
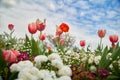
(13, 76)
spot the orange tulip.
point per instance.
(32, 28)
(101, 33)
(64, 27)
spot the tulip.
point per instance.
(10, 26)
(82, 43)
(64, 27)
(113, 38)
(101, 33)
(32, 28)
(62, 41)
(59, 32)
(42, 37)
(10, 56)
(40, 25)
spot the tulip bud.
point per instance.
(113, 38)
(10, 26)
(82, 43)
(101, 33)
(62, 41)
(40, 25)
(32, 28)
(42, 37)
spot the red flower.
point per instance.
(82, 43)
(10, 56)
(32, 28)
(40, 25)
(42, 37)
(113, 38)
(101, 33)
(49, 47)
(10, 26)
(64, 27)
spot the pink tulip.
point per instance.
(59, 32)
(40, 25)
(42, 37)
(62, 41)
(10, 26)
(32, 28)
(10, 56)
(82, 43)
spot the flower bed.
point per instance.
(34, 59)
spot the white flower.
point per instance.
(53, 56)
(97, 59)
(40, 59)
(108, 55)
(21, 65)
(90, 60)
(43, 74)
(27, 74)
(57, 63)
(64, 78)
(92, 68)
(65, 71)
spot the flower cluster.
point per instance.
(34, 59)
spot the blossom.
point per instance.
(10, 26)
(10, 55)
(101, 33)
(57, 63)
(59, 32)
(113, 38)
(82, 43)
(49, 48)
(40, 59)
(97, 59)
(54, 56)
(42, 37)
(28, 74)
(64, 27)
(65, 71)
(22, 56)
(40, 25)
(32, 28)
(21, 65)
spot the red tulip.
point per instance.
(113, 38)
(32, 28)
(82, 43)
(64, 27)
(40, 25)
(10, 26)
(101, 33)
(10, 55)
(62, 41)
(42, 37)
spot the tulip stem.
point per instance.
(100, 43)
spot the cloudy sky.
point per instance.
(84, 17)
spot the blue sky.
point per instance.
(85, 17)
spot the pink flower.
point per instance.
(10, 26)
(82, 43)
(10, 56)
(62, 41)
(40, 25)
(42, 37)
(32, 28)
